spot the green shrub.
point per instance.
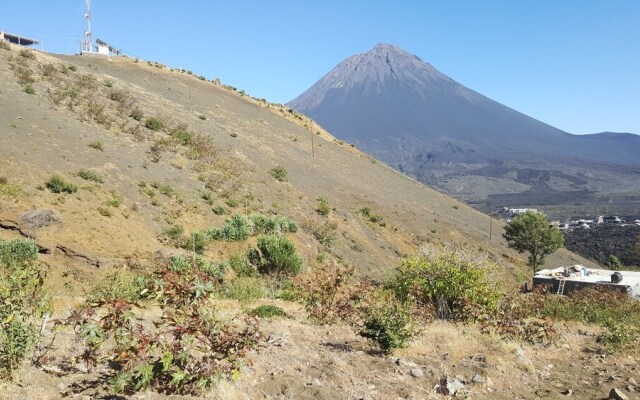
(451, 281)
(29, 89)
(155, 124)
(175, 235)
(371, 217)
(22, 302)
(280, 173)
(9, 189)
(324, 208)
(122, 283)
(267, 311)
(245, 289)
(181, 135)
(58, 185)
(268, 225)
(387, 321)
(89, 175)
(218, 210)
(198, 243)
(240, 264)
(278, 256)
(620, 336)
(115, 200)
(208, 198)
(235, 229)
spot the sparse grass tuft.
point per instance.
(324, 208)
(97, 145)
(89, 175)
(267, 311)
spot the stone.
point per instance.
(405, 363)
(633, 381)
(451, 386)
(568, 392)
(616, 394)
(416, 372)
(478, 379)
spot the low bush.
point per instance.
(326, 232)
(23, 302)
(452, 281)
(10, 189)
(280, 173)
(29, 89)
(29, 54)
(331, 293)
(89, 175)
(267, 311)
(154, 124)
(218, 210)
(387, 321)
(277, 255)
(235, 229)
(186, 351)
(180, 134)
(371, 217)
(122, 283)
(57, 184)
(324, 208)
(244, 289)
(240, 264)
(137, 114)
(263, 224)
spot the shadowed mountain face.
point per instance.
(402, 110)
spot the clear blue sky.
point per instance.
(574, 64)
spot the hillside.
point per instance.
(244, 140)
(157, 154)
(405, 112)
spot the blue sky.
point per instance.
(574, 64)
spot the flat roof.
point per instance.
(629, 278)
(17, 39)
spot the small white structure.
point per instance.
(19, 40)
(564, 280)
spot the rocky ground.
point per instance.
(601, 241)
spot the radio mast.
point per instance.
(87, 43)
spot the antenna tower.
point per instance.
(87, 43)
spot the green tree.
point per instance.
(531, 232)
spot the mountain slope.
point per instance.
(398, 108)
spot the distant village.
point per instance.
(507, 213)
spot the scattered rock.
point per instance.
(633, 381)
(36, 219)
(405, 363)
(478, 379)
(617, 394)
(278, 339)
(416, 372)
(568, 392)
(449, 386)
